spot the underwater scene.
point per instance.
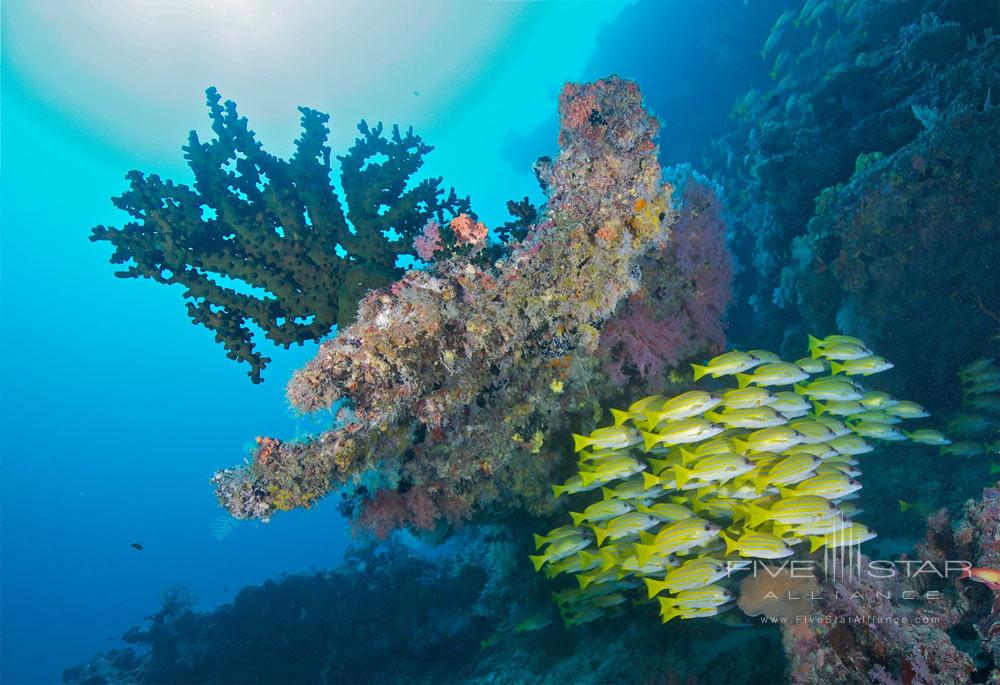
(648, 342)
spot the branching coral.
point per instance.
(461, 375)
(266, 241)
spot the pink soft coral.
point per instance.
(429, 241)
(677, 312)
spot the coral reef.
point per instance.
(464, 379)
(267, 241)
(862, 187)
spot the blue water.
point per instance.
(115, 409)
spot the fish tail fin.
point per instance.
(644, 553)
(646, 538)
(787, 492)
(587, 477)
(649, 440)
(699, 370)
(659, 465)
(836, 368)
(600, 533)
(654, 587)
(798, 388)
(731, 545)
(687, 456)
(743, 379)
(757, 515)
(667, 609)
(903, 506)
(642, 508)
(558, 490)
(607, 493)
(619, 416)
(821, 408)
(761, 483)
(649, 480)
(814, 346)
(815, 542)
(682, 475)
(580, 441)
(540, 540)
(741, 445)
(538, 560)
(578, 518)
(584, 580)
(608, 559)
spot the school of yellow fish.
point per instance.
(695, 487)
(978, 423)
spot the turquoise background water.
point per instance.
(115, 409)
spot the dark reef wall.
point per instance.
(862, 184)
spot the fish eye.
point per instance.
(718, 568)
(708, 526)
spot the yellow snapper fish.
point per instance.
(874, 415)
(573, 485)
(855, 534)
(966, 448)
(598, 577)
(862, 367)
(585, 614)
(713, 468)
(786, 471)
(877, 430)
(764, 356)
(690, 575)
(835, 467)
(907, 410)
(636, 409)
(811, 365)
(676, 537)
(761, 417)
(838, 351)
(557, 534)
(560, 549)
(576, 595)
(813, 431)
(830, 388)
(773, 439)
(726, 364)
(990, 403)
(666, 511)
(790, 405)
(974, 367)
(617, 468)
(533, 623)
(751, 397)
(684, 406)
(609, 437)
(581, 561)
(794, 510)
(983, 384)
(697, 598)
(821, 343)
(876, 399)
(828, 485)
(681, 432)
(689, 612)
(927, 436)
(839, 408)
(623, 526)
(601, 511)
(631, 489)
(820, 450)
(820, 527)
(969, 424)
(758, 546)
(774, 373)
(600, 455)
(850, 445)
